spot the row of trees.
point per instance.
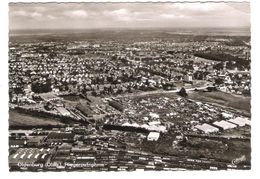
(222, 57)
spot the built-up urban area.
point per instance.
(129, 100)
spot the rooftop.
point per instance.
(206, 128)
(224, 124)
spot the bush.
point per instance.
(183, 92)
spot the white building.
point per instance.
(154, 123)
(240, 121)
(153, 136)
(224, 125)
(154, 115)
(226, 115)
(206, 128)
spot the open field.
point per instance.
(19, 119)
(237, 102)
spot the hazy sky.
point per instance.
(127, 15)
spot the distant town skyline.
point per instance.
(128, 15)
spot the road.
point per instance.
(160, 92)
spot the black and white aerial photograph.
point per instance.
(130, 86)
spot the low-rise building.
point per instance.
(224, 125)
(206, 128)
(63, 111)
(60, 137)
(240, 121)
(153, 136)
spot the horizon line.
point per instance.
(132, 28)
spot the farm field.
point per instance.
(236, 102)
(19, 119)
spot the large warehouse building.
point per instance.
(206, 128)
(224, 125)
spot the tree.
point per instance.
(219, 81)
(219, 66)
(39, 87)
(183, 92)
(48, 106)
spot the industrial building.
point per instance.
(206, 128)
(240, 121)
(224, 125)
(63, 111)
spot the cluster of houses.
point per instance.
(33, 67)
